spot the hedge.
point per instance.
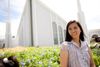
(40, 56)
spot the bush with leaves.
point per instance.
(42, 56)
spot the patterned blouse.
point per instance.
(78, 56)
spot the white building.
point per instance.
(2, 43)
(40, 26)
(81, 18)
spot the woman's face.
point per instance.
(74, 30)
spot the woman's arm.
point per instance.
(63, 57)
(92, 64)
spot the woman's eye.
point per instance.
(69, 28)
(75, 27)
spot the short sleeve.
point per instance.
(86, 46)
(64, 46)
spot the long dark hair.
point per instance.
(68, 37)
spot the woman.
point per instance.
(75, 51)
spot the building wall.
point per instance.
(42, 28)
(60, 23)
(2, 43)
(24, 31)
(43, 24)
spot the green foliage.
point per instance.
(96, 56)
(36, 57)
(43, 56)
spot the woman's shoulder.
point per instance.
(65, 45)
(85, 43)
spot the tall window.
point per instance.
(60, 34)
(55, 35)
(64, 34)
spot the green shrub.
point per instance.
(42, 56)
(96, 56)
(36, 57)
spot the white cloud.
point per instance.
(16, 6)
(68, 10)
(92, 13)
(14, 26)
(2, 30)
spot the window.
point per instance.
(64, 34)
(60, 34)
(55, 35)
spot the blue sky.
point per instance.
(91, 9)
(3, 10)
(67, 9)
(15, 9)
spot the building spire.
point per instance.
(81, 18)
(8, 28)
(79, 5)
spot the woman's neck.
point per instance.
(77, 41)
